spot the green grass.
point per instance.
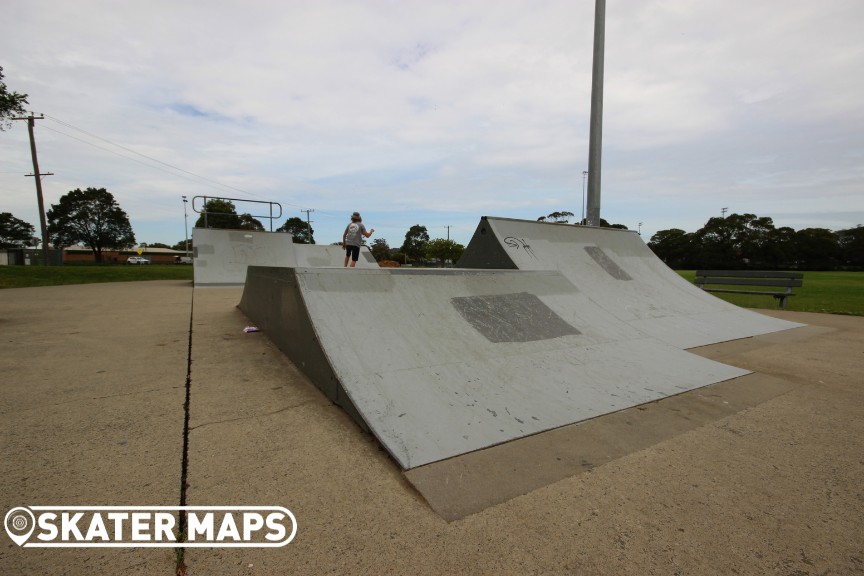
(26, 276)
(824, 292)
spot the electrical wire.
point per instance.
(174, 170)
(201, 179)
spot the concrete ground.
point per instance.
(92, 386)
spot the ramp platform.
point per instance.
(222, 256)
(438, 363)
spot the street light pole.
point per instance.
(186, 224)
(584, 174)
(595, 138)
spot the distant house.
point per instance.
(11, 256)
(79, 254)
(83, 255)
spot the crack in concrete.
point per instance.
(180, 566)
(261, 415)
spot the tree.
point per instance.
(299, 229)
(11, 104)
(816, 249)
(673, 247)
(560, 217)
(749, 241)
(91, 217)
(415, 241)
(380, 250)
(444, 250)
(852, 246)
(713, 245)
(779, 251)
(219, 214)
(737, 241)
(14, 233)
(247, 222)
(556, 217)
(158, 245)
(754, 239)
(181, 245)
(605, 224)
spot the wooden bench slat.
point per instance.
(773, 282)
(749, 274)
(765, 292)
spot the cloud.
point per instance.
(414, 109)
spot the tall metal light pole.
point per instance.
(186, 224)
(584, 174)
(595, 144)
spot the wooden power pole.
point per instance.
(308, 225)
(31, 123)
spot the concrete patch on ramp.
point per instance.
(222, 256)
(438, 363)
(617, 271)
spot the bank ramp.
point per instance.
(438, 363)
(222, 256)
(616, 271)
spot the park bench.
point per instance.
(751, 278)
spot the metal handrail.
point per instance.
(206, 198)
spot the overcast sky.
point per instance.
(437, 113)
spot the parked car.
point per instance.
(182, 260)
(137, 260)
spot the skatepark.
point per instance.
(556, 405)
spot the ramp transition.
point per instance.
(222, 256)
(616, 271)
(438, 363)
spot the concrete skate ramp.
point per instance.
(617, 271)
(438, 363)
(222, 256)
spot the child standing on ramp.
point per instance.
(351, 239)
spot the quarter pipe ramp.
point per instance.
(616, 271)
(438, 363)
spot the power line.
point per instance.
(118, 154)
(206, 181)
(176, 170)
(144, 156)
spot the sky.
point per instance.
(438, 113)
